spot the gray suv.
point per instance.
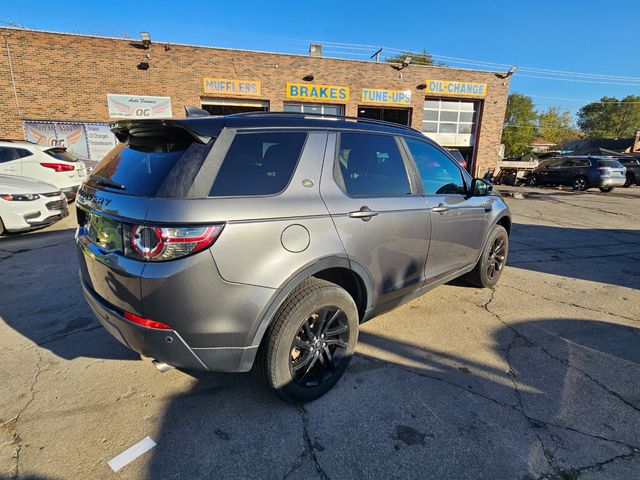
(581, 173)
(263, 240)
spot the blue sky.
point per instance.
(593, 37)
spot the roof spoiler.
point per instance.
(193, 112)
(123, 129)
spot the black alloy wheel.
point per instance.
(580, 184)
(496, 256)
(319, 347)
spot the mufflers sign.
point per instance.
(227, 86)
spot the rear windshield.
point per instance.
(63, 154)
(610, 163)
(143, 166)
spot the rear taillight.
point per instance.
(145, 322)
(157, 244)
(58, 167)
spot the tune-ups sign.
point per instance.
(133, 106)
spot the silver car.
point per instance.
(264, 240)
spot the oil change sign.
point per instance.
(457, 89)
(317, 93)
(227, 86)
(386, 97)
(134, 106)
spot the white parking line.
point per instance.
(131, 453)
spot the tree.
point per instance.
(519, 125)
(422, 58)
(556, 126)
(610, 117)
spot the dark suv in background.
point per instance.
(580, 173)
(632, 164)
(208, 243)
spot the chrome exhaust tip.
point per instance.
(163, 367)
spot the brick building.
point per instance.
(64, 88)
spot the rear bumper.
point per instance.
(612, 181)
(166, 345)
(70, 192)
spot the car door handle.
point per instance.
(442, 209)
(365, 213)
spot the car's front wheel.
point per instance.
(606, 189)
(580, 184)
(532, 180)
(310, 342)
(492, 261)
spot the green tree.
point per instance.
(610, 117)
(422, 58)
(556, 126)
(519, 125)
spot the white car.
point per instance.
(27, 204)
(53, 165)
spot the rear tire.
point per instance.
(492, 260)
(606, 189)
(310, 342)
(580, 184)
(1, 227)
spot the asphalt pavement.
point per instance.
(536, 378)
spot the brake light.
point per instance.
(145, 322)
(58, 167)
(159, 244)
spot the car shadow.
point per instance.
(41, 298)
(598, 255)
(407, 411)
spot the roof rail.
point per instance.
(323, 115)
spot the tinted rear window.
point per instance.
(144, 165)
(63, 154)
(259, 163)
(609, 163)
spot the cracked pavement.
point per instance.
(538, 378)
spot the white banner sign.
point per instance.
(101, 140)
(133, 106)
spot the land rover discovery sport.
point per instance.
(263, 240)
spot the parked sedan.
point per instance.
(27, 204)
(581, 173)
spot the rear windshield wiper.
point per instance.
(107, 182)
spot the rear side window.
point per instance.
(8, 154)
(258, 163)
(609, 163)
(63, 154)
(144, 165)
(439, 174)
(371, 166)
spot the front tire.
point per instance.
(580, 184)
(1, 227)
(606, 189)
(489, 268)
(310, 341)
(532, 180)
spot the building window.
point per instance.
(225, 106)
(314, 108)
(450, 122)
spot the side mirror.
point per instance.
(481, 187)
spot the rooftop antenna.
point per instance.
(377, 55)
